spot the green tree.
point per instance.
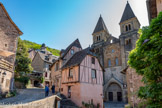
(146, 58)
(23, 63)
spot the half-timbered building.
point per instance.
(65, 55)
(82, 79)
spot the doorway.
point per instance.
(114, 93)
(110, 96)
(119, 96)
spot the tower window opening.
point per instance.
(129, 27)
(126, 28)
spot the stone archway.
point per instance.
(114, 92)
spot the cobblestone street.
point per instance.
(25, 96)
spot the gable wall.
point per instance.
(8, 35)
(85, 71)
(68, 55)
(38, 63)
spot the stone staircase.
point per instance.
(66, 103)
(114, 104)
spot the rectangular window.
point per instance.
(93, 60)
(72, 51)
(56, 66)
(71, 72)
(93, 73)
(116, 61)
(69, 91)
(46, 74)
(2, 80)
(109, 62)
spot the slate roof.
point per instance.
(77, 58)
(128, 13)
(46, 55)
(76, 43)
(100, 25)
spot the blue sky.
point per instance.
(59, 22)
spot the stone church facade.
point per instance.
(113, 53)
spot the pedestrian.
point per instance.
(53, 89)
(46, 90)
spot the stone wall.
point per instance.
(50, 102)
(133, 84)
(159, 6)
(8, 35)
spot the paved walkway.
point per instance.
(114, 104)
(25, 96)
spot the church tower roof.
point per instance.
(128, 13)
(100, 26)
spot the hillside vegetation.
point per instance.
(33, 45)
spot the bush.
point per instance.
(11, 94)
(146, 58)
(23, 79)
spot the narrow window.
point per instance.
(126, 28)
(5, 45)
(129, 41)
(50, 75)
(69, 91)
(111, 41)
(2, 80)
(116, 61)
(129, 27)
(93, 60)
(71, 72)
(126, 42)
(72, 51)
(93, 73)
(46, 74)
(56, 66)
(109, 62)
(99, 38)
(112, 51)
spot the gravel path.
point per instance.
(25, 96)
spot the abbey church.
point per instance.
(113, 53)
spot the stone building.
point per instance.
(9, 34)
(113, 53)
(133, 84)
(41, 63)
(153, 8)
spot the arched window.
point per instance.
(111, 41)
(126, 28)
(99, 38)
(109, 62)
(116, 61)
(129, 27)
